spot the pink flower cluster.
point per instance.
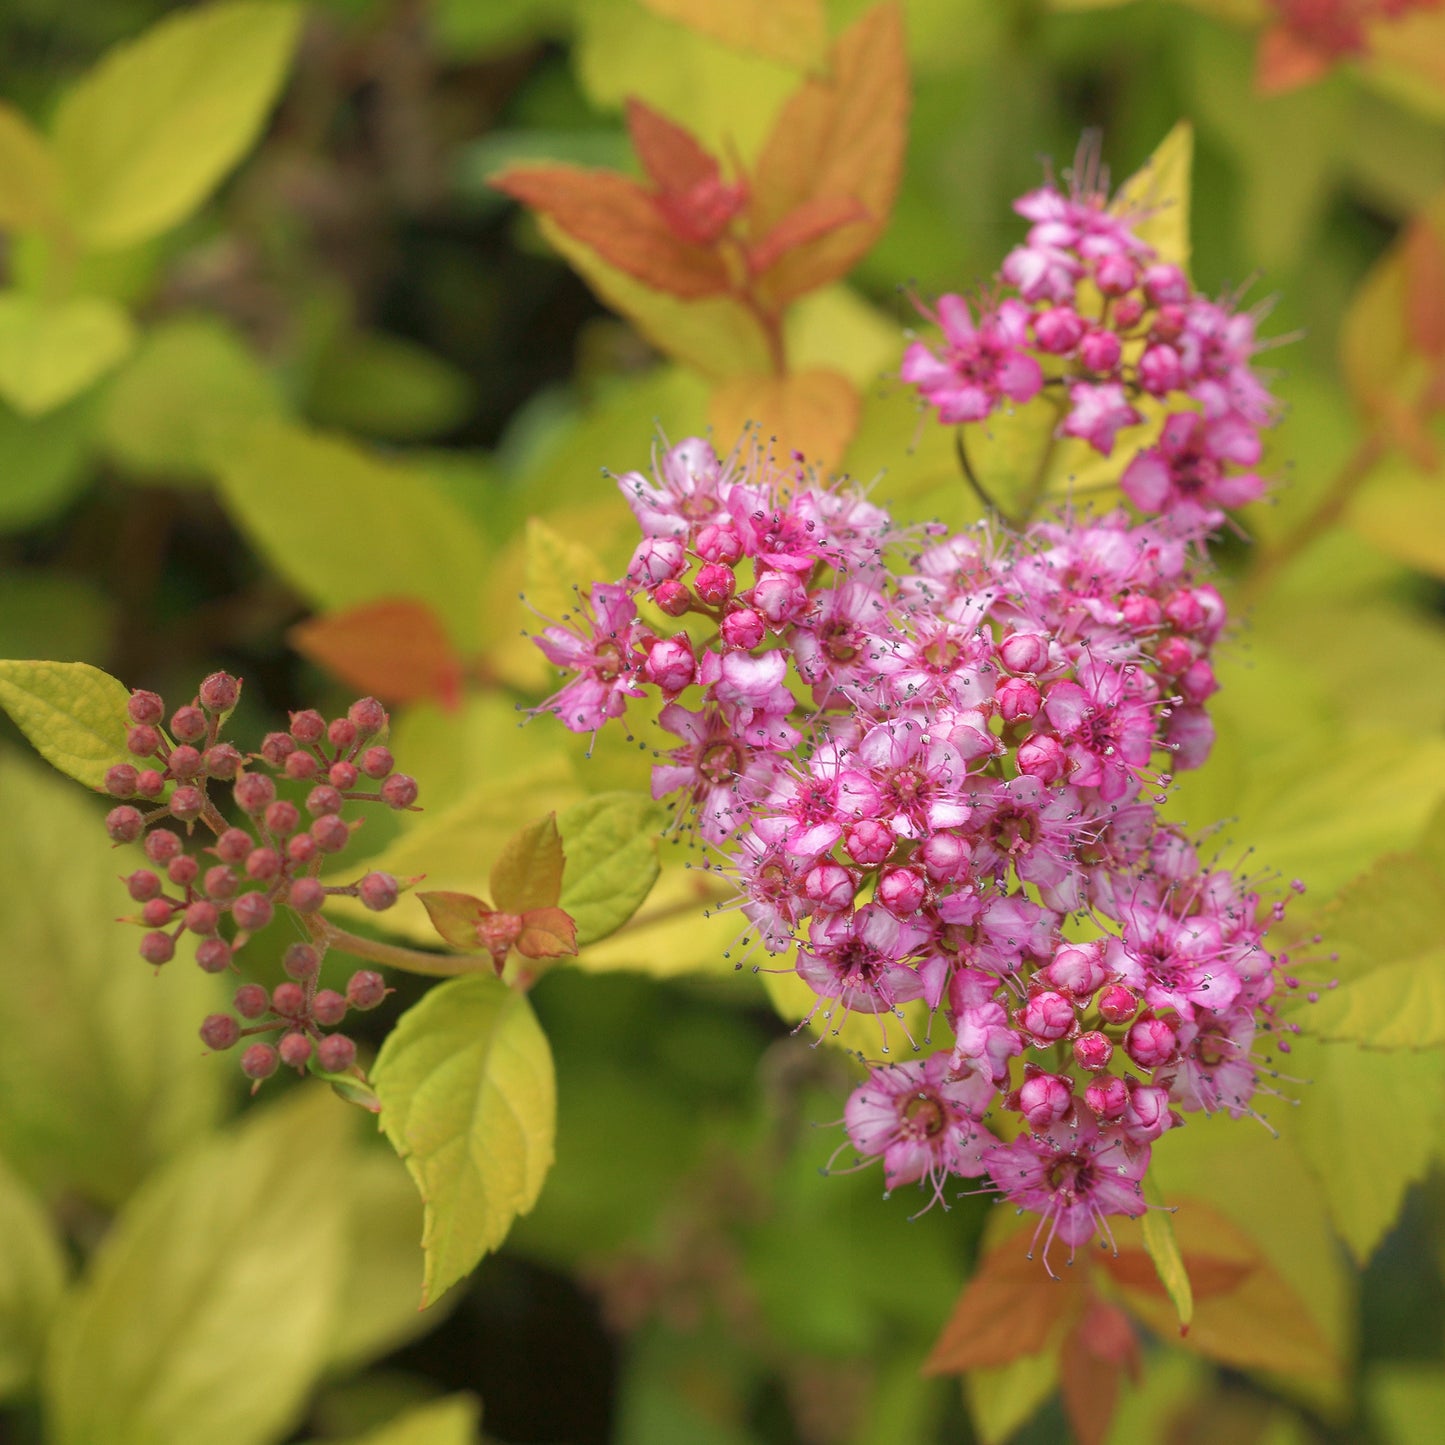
(1097, 321)
(935, 761)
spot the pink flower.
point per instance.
(979, 366)
(715, 769)
(1097, 411)
(856, 960)
(599, 648)
(1186, 470)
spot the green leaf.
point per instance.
(43, 460)
(1158, 1231)
(457, 918)
(206, 1313)
(29, 178)
(611, 845)
(1003, 1398)
(529, 872)
(452, 1421)
(385, 386)
(32, 1278)
(1367, 1125)
(1402, 512)
(1157, 194)
(46, 610)
(52, 351)
(73, 713)
(101, 1075)
(149, 133)
(469, 1102)
(185, 400)
(377, 1311)
(1408, 1399)
(298, 495)
(559, 571)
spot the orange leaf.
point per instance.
(458, 918)
(811, 221)
(619, 220)
(1285, 61)
(1208, 1275)
(814, 412)
(840, 136)
(1093, 1358)
(528, 873)
(395, 648)
(547, 933)
(671, 156)
(1006, 1311)
(1423, 254)
(792, 31)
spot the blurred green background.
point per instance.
(687, 1278)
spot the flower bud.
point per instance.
(124, 824)
(281, 818)
(718, 542)
(288, 1000)
(1173, 655)
(1151, 1042)
(221, 761)
(162, 846)
(1024, 652)
(341, 733)
(1147, 1116)
(202, 916)
(1127, 311)
(324, 799)
(336, 1053)
(1115, 273)
(1043, 1099)
(779, 596)
(1141, 612)
(1184, 610)
(399, 791)
(945, 857)
(330, 833)
(1107, 1098)
(234, 845)
(1198, 682)
(145, 707)
(377, 891)
(301, 767)
(252, 911)
(1093, 1051)
(157, 948)
(377, 763)
(1159, 369)
(1017, 699)
(1169, 323)
(120, 780)
(715, 584)
(902, 891)
(251, 1001)
(743, 628)
(220, 1031)
(365, 989)
(1047, 1017)
(259, 1062)
(188, 724)
(301, 961)
(868, 842)
(306, 895)
(657, 559)
(342, 776)
(157, 912)
(219, 692)
(670, 664)
(367, 716)
(1100, 352)
(295, 1050)
(254, 793)
(143, 885)
(1165, 285)
(150, 783)
(308, 727)
(829, 886)
(1058, 330)
(302, 849)
(1044, 758)
(277, 747)
(213, 955)
(1077, 969)
(263, 864)
(187, 804)
(328, 1007)
(142, 740)
(672, 597)
(183, 870)
(1117, 1004)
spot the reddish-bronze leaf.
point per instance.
(814, 412)
(1093, 1358)
(1209, 1275)
(528, 873)
(671, 156)
(1286, 61)
(547, 933)
(395, 648)
(811, 221)
(1007, 1310)
(621, 222)
(1423, 254)
(843, 135)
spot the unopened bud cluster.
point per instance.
(935, 761)
(272, 820)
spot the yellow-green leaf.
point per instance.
(73, 713)
(300, 495)
(457, 918)
(611, 845)
(185, 400)
(559, 572)
(101, 1074)
(1156, 196)
(1158, 1231)
(385, 386)
(469, 1102)
(32, 1277)
(149, 133)
(206, 1313)
(29, 178)
(452, 1421)
(794, 32)
(1402, 512)
(52, 351)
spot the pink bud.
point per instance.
(1198, 682)
(234, 845)
(1107, 1097)
(945, 857)
(1100, 351)
(1184, 610)
(1115, 273)
(1150, 1043)
(1159, 369)
(341, 733)
(830, 885)
(902, 891)
(743, 629)
(1024, 652)
(143, 885)
(1165, 285)
(1117, 1004)
(1169, 323)
(715, 584)
(779, 596)
(1047, 1017)
(1127, 311)
(670, 664)
(124, 824)
(1043, 1099)
(1147, 1116)
(1058, 330)
(718, 542)
(145, 707)
(188, 724)
(219, 692)
(657, 559)
(1043, 758)
(120, 781)
(1093, 1051)
(1018, 699)
(1077, 969)
(142, 740)
(157, 912)
(1141, 612)
(202, 917)
(1173, 655)
(672, 597)
(868, 842)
